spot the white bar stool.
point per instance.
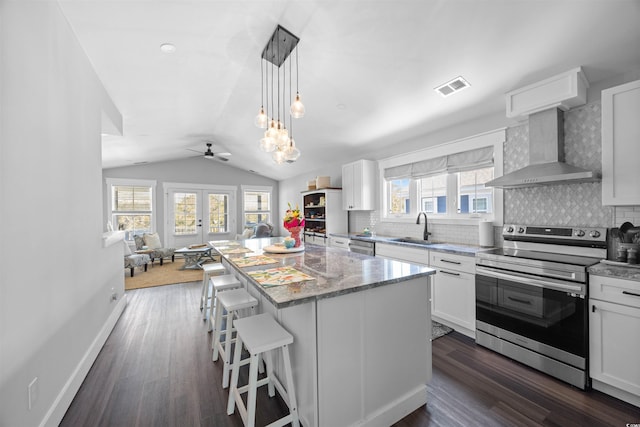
(208, 271)
(261, 334)
(220, 284)
(231, 301)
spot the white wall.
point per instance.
(195, 170)
(56, 279)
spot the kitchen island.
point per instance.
(361, 325)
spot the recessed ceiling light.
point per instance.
(452, 86)
(167, 47)
(341, 107)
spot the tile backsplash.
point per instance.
(565, 204)
(561, 205)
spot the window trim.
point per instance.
(260, 188)
(495, 138)
(111, 182)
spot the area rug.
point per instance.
(167, 274)
(438, 330)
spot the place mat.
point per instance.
(231, 250)
(250, 261)
(279, 276)
(224, 243)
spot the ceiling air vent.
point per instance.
(452, 86)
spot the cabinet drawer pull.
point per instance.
(521, 301)
(449, 273)
(450, 262)
(631, 293)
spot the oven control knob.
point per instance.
(520, 230)
(509, 229)
(579, 233)
(594, 233)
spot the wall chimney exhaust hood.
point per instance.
(546, 135)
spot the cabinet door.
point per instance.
(348, 187)
(620, 148)
(358, 184)
(453, 297)
(614, 345)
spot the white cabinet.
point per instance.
(358, 185)
(614, 337)
(620, 145)
(402, 253)
(323, 215)
(453, 296)
(339, 242)
(565, 91)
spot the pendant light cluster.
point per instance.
(277, 139)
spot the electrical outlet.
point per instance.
(33, 392)
(114, 294)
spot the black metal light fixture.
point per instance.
(277, 139)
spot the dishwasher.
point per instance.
(365, 247)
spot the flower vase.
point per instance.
(295, 234)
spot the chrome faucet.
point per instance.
(425, 235)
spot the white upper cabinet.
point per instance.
(621, 145)
(358, 185)
(564, 91)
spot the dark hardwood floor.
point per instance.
(156, 370)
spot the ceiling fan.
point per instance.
(208, 154)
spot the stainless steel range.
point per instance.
(531, 297)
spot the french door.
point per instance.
(196, 214)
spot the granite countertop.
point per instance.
(335, 271)
(620, 272)
(440, 247)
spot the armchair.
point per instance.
(131, 260)
(152, 241)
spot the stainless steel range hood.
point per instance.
(546, 156)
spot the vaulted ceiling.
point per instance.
(368, 68)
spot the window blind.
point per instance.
(457, 162)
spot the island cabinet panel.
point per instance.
(366, 343)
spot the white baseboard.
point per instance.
(65, 397)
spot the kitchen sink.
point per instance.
(412, 241)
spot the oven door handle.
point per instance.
(533, 281)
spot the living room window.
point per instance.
(256, 205)
(131, 206)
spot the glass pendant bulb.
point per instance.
(272, 132)
(278, 157)
(261, 119)
(283, 138)
(297, 108)
(291, 153)
(267, 144)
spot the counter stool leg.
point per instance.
(235, 372)
(253, 388)
(268, 360)
(291, 394)
(216, 333)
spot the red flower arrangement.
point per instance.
(293, 218)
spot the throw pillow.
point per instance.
(139, 242)
(247, 233)
(152, 241)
